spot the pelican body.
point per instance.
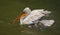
(28, 17)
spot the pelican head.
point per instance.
(27, 10)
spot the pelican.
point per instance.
(33, 15)
(29, 16)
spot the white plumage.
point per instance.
(35, 15)
(47, 22)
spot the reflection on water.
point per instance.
(12, 8)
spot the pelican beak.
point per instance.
(22, 18)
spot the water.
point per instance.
(10, 9)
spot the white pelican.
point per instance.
(33, 15)
(29, 16)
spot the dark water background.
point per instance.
(10, 9)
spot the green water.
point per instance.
(10, 9)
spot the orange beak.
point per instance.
(19, 17)
(23, 15)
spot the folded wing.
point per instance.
(34, 15)
(47, 22)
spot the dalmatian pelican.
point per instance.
(29, 16)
